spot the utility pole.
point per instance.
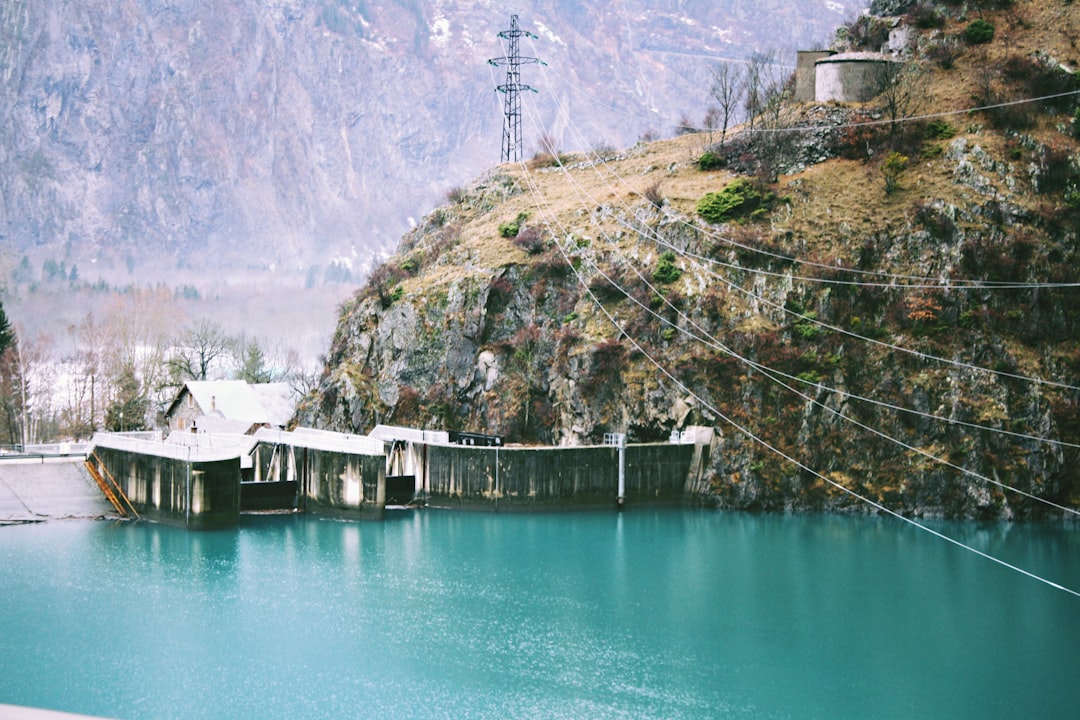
(511, 142)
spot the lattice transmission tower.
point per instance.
(511, 142)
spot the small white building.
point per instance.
(230, 406)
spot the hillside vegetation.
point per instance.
(853, 301)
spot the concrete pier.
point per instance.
(336, 474)
(536, 478)
(206, 480)
(201, 480)
(197, 487)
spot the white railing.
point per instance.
(615, 439)
(323, 440)
(59, 449)
(171, 450)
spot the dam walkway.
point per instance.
(34, 489)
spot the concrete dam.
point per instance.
(204, 481)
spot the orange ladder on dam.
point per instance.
(110, 487)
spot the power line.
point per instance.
(867, 123)
(773, 374)
(909, 281)
(539, 200)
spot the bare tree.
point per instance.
(727, 90)
(767, 96)
(901, 91)
(753, 79)
(199, 347)
(136, 332)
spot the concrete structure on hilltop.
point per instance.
(806, 73)
(852, 77)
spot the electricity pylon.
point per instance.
(511, 142)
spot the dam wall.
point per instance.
(203, 481)
(527, 478)
(198, 489)
(335, 474)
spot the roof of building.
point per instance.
(269, 403)
(856, 57)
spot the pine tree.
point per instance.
(7, 334)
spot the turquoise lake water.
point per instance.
(647, 614)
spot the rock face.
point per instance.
(254, 134)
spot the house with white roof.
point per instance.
(230, 406)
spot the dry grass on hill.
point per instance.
(832, 204)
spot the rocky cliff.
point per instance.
(895, 317)
(248, 134)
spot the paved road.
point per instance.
(38, 489)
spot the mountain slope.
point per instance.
(250, 134)
(873, 329)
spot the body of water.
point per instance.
(647, 614)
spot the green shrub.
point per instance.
(666, 272)
(512, 228)
(710, 161)
(979, 32)
(1072, 198)
(891, 168)
(808, 331)
(939, 130)
(738, 200)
